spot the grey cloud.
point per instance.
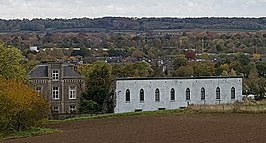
(139, 8)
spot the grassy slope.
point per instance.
(248, 108)
(28, 133)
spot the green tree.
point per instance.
(261, 66)
(119, 71)
(99, 86)
(184, 71)
(88, 106)
(236, 66)
(11, 63)
(142, 69)
(29, 65)
(203, 69)
(246, 69)
(179, 61)
(243, 59)
(84, 70)
(158, 71)
(255, 84)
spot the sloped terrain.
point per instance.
(169, 128)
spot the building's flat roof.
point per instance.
(169, 78)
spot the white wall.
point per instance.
(180, 85)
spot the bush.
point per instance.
(21, 106)
(89, 106)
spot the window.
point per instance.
(128, 95)
(38, 89)
(72, 92)
(55, 92)
(218, 93)
(141, 95)
(202, 95)
(172, 94)
(233, 93)
(72, 109)
(157, 95)
(187, 94)
(55, 109)
(55, 74)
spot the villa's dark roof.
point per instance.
(169, 78)
(68, 72)
(39, 71)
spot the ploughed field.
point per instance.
(160, 129)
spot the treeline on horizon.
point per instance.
(106, 24)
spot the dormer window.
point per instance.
(55, 74)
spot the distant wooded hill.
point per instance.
(106, 24)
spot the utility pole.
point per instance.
(202, 45)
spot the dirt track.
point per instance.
(161, 129)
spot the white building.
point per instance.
(149, 94)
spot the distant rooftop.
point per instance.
(42, 70)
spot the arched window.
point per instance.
(233, 93)
(218, 93)
(157, 95)
(141, 95)
(202, 95)
(172, 94)
(127, 95)
(187, 94)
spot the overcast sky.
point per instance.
(11, 9)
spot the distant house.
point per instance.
(60, 85)
(34, 49)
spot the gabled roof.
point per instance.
(39, 71)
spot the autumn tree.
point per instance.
(20, 106)
(138, 54)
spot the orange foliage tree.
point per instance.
(21, 106)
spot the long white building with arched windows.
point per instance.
(149, 94)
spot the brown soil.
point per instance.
(160, 129)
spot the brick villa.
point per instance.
(59, 84)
